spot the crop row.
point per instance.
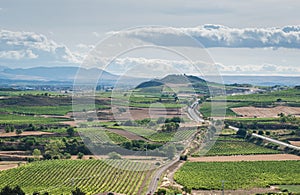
(91, 176)
(238, 175)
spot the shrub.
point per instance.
(114, 155)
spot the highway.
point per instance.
(194, 113)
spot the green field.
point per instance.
(289, 97)
(238, 175)
(171, 136)
(215, 109)
(142, 131)
(18, 119)
(62, 176)
(233, 146)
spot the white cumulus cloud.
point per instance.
(22, 47)
(211, 35)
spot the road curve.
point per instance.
(154, 182)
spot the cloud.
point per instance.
(30, 47)
(151, 68)
(211, 35)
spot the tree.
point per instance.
(161, 191)
(70, 131)
(19, 131)
(169, 127)
(161, 120)
(54, 149)
(80, 155)
(77, 191)
(9, 128)
(260, 132)
(36, 154)
(12, 191)
(241, 133)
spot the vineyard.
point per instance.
(91, 176)
(233, 146)
(180, 135)
(238, 175)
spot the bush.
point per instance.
(160, 120)
(70, 131)
(114, 155)
(77, 191)
(12, 191)
(241, 133)
(161, 191)
(183, 157)
(19, 131)
(67, 155)
(80, 155)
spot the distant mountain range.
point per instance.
(261, 80)
(52, 73)
(68, 74)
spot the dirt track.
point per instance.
(25, 133)
(266, 112)
(264, 157)
(5, 165)
(295, 143)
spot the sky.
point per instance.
(242, 37)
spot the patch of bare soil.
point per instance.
(264, 157)
(295, 143)
(142, 113)
(70, 123)
(25, 133)
(266, 112)
(235, 192)
(5, 165)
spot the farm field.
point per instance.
(20, 119)
(92, 176)
(26, 133)
(247, 175)
(266, 112)
(286, 100)
(226, 146)
(237, 158)
(180, 135)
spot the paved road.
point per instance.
(154, 182)
(194, 114)
(269, 139)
